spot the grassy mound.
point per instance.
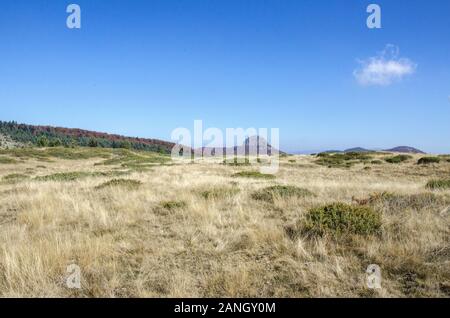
(269, 194)
(428, 160)
(64, 176)
(219, 193)
(173, 205)
(398, 158)
(237, 162)
(340, 218)
(344, 160)
(438, 184)
(6, 160)
(253, 174)
(137, 161)
(76, 175)
(129, 184)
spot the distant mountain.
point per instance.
(358, 149)
(57, 136)
(401, 149)
(405, 149)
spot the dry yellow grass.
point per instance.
(164, 238)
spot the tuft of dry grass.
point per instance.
(272, 193)
(438, 184)
(124, 183)
(215, 193)
(253, 174)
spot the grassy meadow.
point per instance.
(140, 225)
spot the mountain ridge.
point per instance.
(398, 149)
(405, 149)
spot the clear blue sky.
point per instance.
(144, 68)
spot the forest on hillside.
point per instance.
(46, 136)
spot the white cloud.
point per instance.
(385, 68)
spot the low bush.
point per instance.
(124, 183)
(340, 218)
(64, 176)
(376, 162)
(438, 184)
(14, 177)
(398, 158)
(173, 205)
(219, 193)
(137, 161)
(428, 160)
(6, 160)
(57, 152)
(269, 194)
(396, 202)
(75, 175)
(237, 162)
(345, 160)
(254, 174)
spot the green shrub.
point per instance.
(219, 193)
(92, 143)
(173, 205)
(125, 183)
(42, 141)
(269, 194)
(438, 184)
(376, 162)
(57, 152)
(75, 175)
(398, 158)
(15, 177)
(135, 160)
(292, 161)
(237, 162)
(125, 144)
(344, 160)
(6, 160)
(340, 218)
(55, 143)
(428, 160)
(253, 174)
(64, 176)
